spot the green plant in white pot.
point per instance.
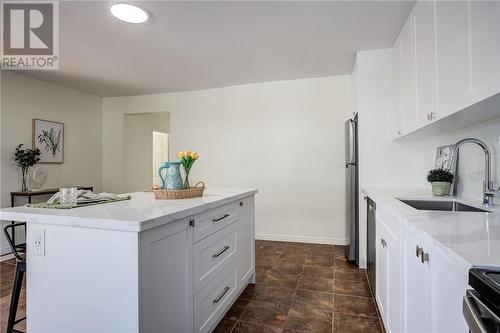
(440, 180)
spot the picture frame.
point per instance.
(445, 161)
(48, 136)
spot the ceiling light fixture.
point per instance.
(129, 13)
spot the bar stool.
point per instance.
(18, 278)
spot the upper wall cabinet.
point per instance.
(446, 58)
(404, 77)
(422, 19)
(482, 29)
(450, 53)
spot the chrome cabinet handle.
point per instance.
(220, 252)
(424, 257)
(419, 250)
(221, 295)
(220, 218)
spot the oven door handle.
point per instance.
(471, 305)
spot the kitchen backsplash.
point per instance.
(471, 158)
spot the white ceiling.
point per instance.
(198, 45)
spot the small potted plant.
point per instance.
(26, 158)
(440, 180)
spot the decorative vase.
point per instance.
(186, 180)
(173, 178)
(24, 186)
(440, 188)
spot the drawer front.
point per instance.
(211, 302)
(215, 219)
(213, 254)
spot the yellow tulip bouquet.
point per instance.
(187, 158)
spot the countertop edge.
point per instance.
(118, 224)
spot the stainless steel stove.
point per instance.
(481, 306)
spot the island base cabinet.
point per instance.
(246, 240)
(166, 278)
(212, 301)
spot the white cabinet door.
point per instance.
(408, 77)
(425, 78)
(448, 286)
(415, 288)
(389, 277)
(450, 52)
(397, 100)
(246, 240)
(381, 270)
(483, 49)
(166, 278)
(394, 311)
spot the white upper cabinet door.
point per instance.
(425, 78)
(397, 102)
(482, 22)
(408, 77)
(450, 51)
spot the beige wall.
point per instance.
(138, 148)
(285, 138)
(24, 98)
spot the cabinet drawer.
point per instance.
(213, 300)
(209, 222)
(213, 254)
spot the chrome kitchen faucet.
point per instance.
(488, 191)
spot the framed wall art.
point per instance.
(48, 136)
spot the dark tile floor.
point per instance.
(303, 288)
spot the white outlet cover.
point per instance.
(38, 242)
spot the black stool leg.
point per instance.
(16, 293)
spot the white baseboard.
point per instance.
(302, 239)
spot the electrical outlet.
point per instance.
(38, 237)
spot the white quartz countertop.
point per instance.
(471, 238)
(140, 213)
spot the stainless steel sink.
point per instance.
(442, 205)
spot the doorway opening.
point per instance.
(160, 154)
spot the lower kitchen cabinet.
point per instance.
(389, 287)
(415, 287)
(418, 290)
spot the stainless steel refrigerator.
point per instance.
(351, 179)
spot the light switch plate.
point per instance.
(38, 239)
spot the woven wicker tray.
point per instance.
(193, 192)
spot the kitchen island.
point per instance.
(141, 265)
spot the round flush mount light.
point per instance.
(129, 13)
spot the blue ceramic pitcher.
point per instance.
(173, 178)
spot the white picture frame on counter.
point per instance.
(444, 160)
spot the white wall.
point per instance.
(138, 148)
(383, 162)
(285, 138)
(24, 98)
(470, 173)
